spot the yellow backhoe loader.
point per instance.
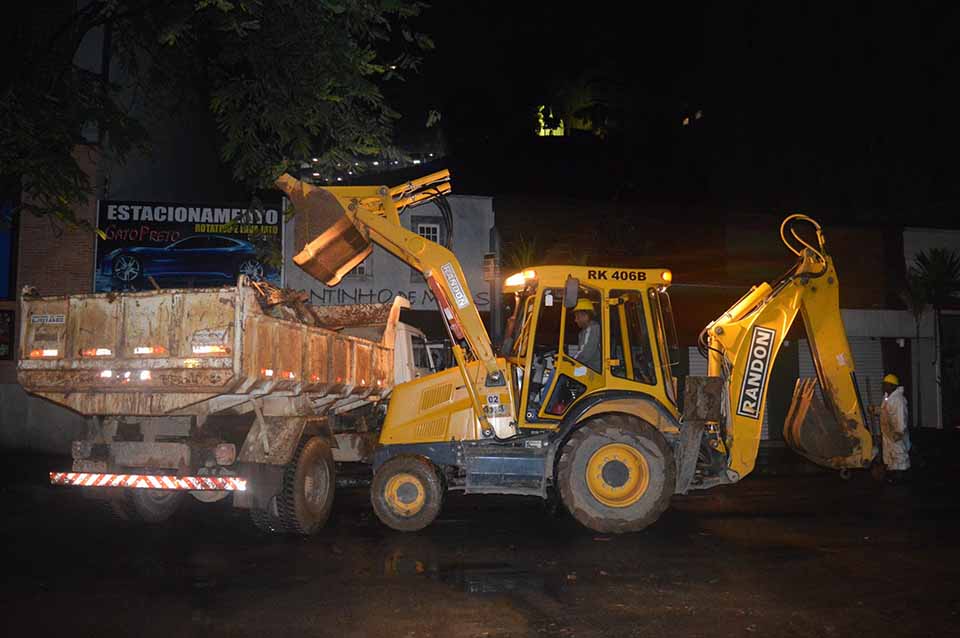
(603, 430)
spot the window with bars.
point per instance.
(363, 269)
(429, 231)
(428, 227)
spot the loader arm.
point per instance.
(340, 222)
(743, 344)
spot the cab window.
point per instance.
(560, 333)
(519, 348)
(545, 344)
(421, 356)
(630, 348)
(663, 328)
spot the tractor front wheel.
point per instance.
(407, 493)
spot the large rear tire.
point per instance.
(407, 493)
(309, 483)
(146, 506)
(616, 474)
(266, 521)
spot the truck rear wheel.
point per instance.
(616, 474)
(266, 521)
(309, 482)
(406, 493)
(146, 506)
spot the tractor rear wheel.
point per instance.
(616, 474)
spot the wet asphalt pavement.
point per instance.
(796, 554)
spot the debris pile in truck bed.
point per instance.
(367, 321)
(288, 304)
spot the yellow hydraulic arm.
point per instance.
(743, 344)
(335, 226)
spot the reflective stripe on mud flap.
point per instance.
(150, 481)
(756, 372)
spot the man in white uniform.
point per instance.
(894, 429)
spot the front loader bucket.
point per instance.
(817, 432)
(328, 244)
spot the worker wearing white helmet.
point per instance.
(893, 428)
(588, 341)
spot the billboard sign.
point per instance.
(185, 245)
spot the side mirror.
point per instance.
(570, 292)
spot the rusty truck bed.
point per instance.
(194, 351)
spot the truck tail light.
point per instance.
(45, 352)
(149, 350)
(280, 374)
(211, 350)
(96, 352)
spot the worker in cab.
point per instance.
(588, 340)
(894, 430)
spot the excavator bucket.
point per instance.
(819, 433)
(328, 244)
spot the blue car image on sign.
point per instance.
(184, 245)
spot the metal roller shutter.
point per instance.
(698, 364)
(868, 359)
(698, 368)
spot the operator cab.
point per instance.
(623, 339)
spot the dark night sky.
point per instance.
(846, 107)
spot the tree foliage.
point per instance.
(522, 253)
(284, 81)
(935, 273)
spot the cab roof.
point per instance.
(599, 276)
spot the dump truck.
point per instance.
(203, 391)
(607, 433)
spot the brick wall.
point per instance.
(8, 368)
(54, 259)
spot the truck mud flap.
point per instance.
(813, 430)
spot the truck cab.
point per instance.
(413, 357)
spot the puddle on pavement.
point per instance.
(492, 579)
(497, 578)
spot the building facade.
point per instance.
(471, 235)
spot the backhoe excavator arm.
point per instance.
(743, 344)
(335, 226)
